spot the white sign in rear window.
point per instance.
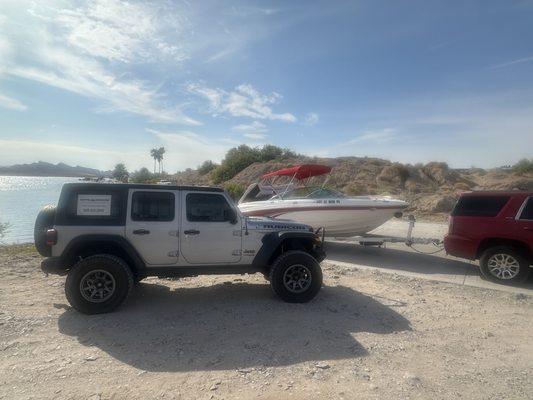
(94, 204)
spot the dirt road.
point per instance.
(368, 335)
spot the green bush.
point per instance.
(142, 176)
(234, 190)
(120, 173)
(206, 167)
(523, 166)
(238, 158)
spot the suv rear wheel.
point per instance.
(296, 277)
(98, 284)
(504, 264)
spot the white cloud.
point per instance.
(255, 126)
(243, 101)
(255, 136)
(90, 50)
(508, 63)
(11, 103)
(311, 119)
(376, 136)
(122, 31)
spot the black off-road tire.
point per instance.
(492, 254)
(44, 221)
(283, 264)
(112, 265)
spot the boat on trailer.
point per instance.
(318, 206)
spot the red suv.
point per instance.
(496, 228)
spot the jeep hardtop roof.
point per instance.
(498, 193)
(112, 186)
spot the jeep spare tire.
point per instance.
(296, 277)
(45, 220)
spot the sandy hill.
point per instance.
(431, 189)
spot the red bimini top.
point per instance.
(300, 172)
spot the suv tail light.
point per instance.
(450, 225)
(51, 237)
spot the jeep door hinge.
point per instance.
(175, 253)
(174, 233)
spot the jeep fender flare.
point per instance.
(79, 243)
(273, 241)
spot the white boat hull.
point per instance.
(338, 218)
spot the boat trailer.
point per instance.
(380, 240)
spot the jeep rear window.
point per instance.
(203, 207)
(527, 212)
(152, 206)
(479, 206)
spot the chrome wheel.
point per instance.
(297, 278)
(97, 286)
(503, 266)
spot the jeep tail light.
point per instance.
(51, 237)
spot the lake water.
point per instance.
(21, 199)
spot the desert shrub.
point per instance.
(238, 158)
(354, 189)
(206, 167)
(142, 176)
(523, 166)
(412, 187)
(234, 190)
(461, 186)
(3, 229)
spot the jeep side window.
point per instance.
(479, 206)
(204, 207)
(152, 206)
(527, 212)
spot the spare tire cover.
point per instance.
(44, 221)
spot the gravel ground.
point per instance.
(368, 335)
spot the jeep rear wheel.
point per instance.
(98, 284)
(296, 277)
(504, 265)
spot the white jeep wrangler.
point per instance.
(105, 237)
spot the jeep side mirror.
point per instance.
(231, 216)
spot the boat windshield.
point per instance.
(309, 192)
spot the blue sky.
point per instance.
(101, 82)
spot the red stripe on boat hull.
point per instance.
(279, 211)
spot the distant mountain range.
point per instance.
(42, 168)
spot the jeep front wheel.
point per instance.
(296, 277)
(504, 265)
(98, 284)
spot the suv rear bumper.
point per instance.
(53, 265)
(459, 246)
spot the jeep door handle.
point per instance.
(527, 228)
(141, 232)
(192, 232)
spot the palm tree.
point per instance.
(161, 151)
(155, 155)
